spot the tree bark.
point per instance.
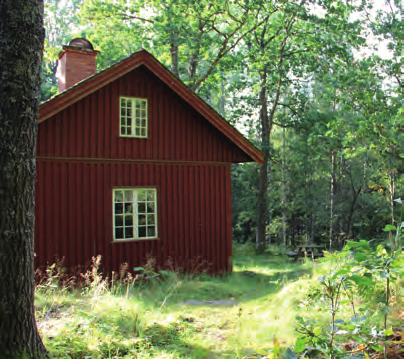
(21, 47)
(174, 57)
(269, 195)
(352, 212)
(284, 239)
(263, 177)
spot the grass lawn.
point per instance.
(241, 314)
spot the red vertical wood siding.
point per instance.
(74, 214)
(90, 127)
(81, 158)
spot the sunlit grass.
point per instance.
(148, 321)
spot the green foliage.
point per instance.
(360, 274)
(326, 85)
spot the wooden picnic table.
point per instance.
(306, 250)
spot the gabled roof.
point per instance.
(142, 57)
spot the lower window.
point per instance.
(135, 213)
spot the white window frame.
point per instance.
(133, 117)
(137, 201)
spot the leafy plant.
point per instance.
(362, 274)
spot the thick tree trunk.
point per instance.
(21, 46)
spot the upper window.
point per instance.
(133, 117)
(135, 213)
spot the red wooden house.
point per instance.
(132, 164)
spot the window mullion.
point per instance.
(135, 215)
(133, 115)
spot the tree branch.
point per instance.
(223, 51)
(133, 17)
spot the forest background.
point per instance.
(317, 85)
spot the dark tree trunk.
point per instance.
(351, 213)
(284, 239)
(21, 46)
(263, 177)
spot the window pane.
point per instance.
(128, 196)
(129, 131)
(129, 122)
(123, 132)
(141, 195)
(143, 123)
(137, 132)
(142, 232)
(128, 208)
(118, 196)
(123, 102)
(128, 220)
(128, 232)
(143, 104)
(142, 219)
(118, 208)
(122, 111)
(138, 103)
(150, 195)
(118, 221)
(129, 103)
(151, 232)
(143, 132)
(141, 207)
(118, 233)
(150, 207)
(150, 219)
(143, 113)
(137, 113)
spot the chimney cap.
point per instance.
(81, 43)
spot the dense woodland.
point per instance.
(316, 85)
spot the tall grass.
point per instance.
(146, 314)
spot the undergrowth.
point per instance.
(268, 307)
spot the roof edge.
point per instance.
(143, 57)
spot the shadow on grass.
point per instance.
(171, 339)
(164, 329)
(252, 279)
(101, 336)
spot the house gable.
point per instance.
(210, 138)
(89, 128)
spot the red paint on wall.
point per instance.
(176, 132)
(81, 158)
(75, 216)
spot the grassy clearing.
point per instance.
(146, 321)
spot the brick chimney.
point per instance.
(76, 63)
